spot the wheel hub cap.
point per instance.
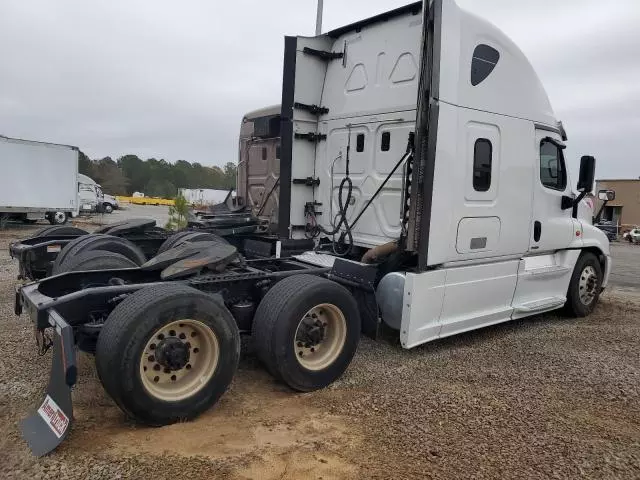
(172, 353)
(588, 285)
(320, 336)
(179, 359)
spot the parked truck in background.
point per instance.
(38, 180)
(259, 164)
(203, 196)
(90, 196)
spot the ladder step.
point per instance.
(542, 304)
(551, 270)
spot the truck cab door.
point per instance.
(552, 225)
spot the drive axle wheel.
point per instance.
(320, 336)
(167, 353)
(306, 331)
(179, 359)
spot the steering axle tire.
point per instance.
(585, 286)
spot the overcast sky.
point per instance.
(169, 79)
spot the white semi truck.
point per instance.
(420, 152)
(38, 180)
(484, 213)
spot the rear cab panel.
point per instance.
(370, 93)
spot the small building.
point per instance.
(625, 209)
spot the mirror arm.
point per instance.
(576, 202)
(596, 219)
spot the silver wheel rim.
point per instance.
(168, 379)
(320, 336)
(587, 285)
(59, 217)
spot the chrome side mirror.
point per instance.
(606, 195)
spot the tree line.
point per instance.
(153, 177)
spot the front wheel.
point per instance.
(585, 286)
(306, 331)
(167, 353)
(107, 208)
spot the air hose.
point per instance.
(343, 205)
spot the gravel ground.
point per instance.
(546, 397)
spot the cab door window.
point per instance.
(553, 172)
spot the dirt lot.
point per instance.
(543, 397)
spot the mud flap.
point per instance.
(48, 426)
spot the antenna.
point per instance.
(319, 18)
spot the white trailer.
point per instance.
(38, 180)
(203, 196)
(482, 217)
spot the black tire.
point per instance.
(107, 208)
(574, 305)
(97, 242)
(97, 260)
(276, 322)
(122, 341)
(57, 218)
(60, 230)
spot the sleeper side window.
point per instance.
(483, 61)
(278, 151)
(360, 142)
(553, 173)
(264, 153)
(482, 159)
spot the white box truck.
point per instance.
(38, 180)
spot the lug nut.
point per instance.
(195, 350)
(172, 333)
(188, 367)
(173, 378)
(152, 346)
(194, 334)
(156, 379)
(299, 344)
(156, 367)
(182, 336)
(161, 336)
(151, 358)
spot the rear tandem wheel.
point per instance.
(167, 353)
(306, 331)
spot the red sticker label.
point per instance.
(53, 416)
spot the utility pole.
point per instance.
(319, 18)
